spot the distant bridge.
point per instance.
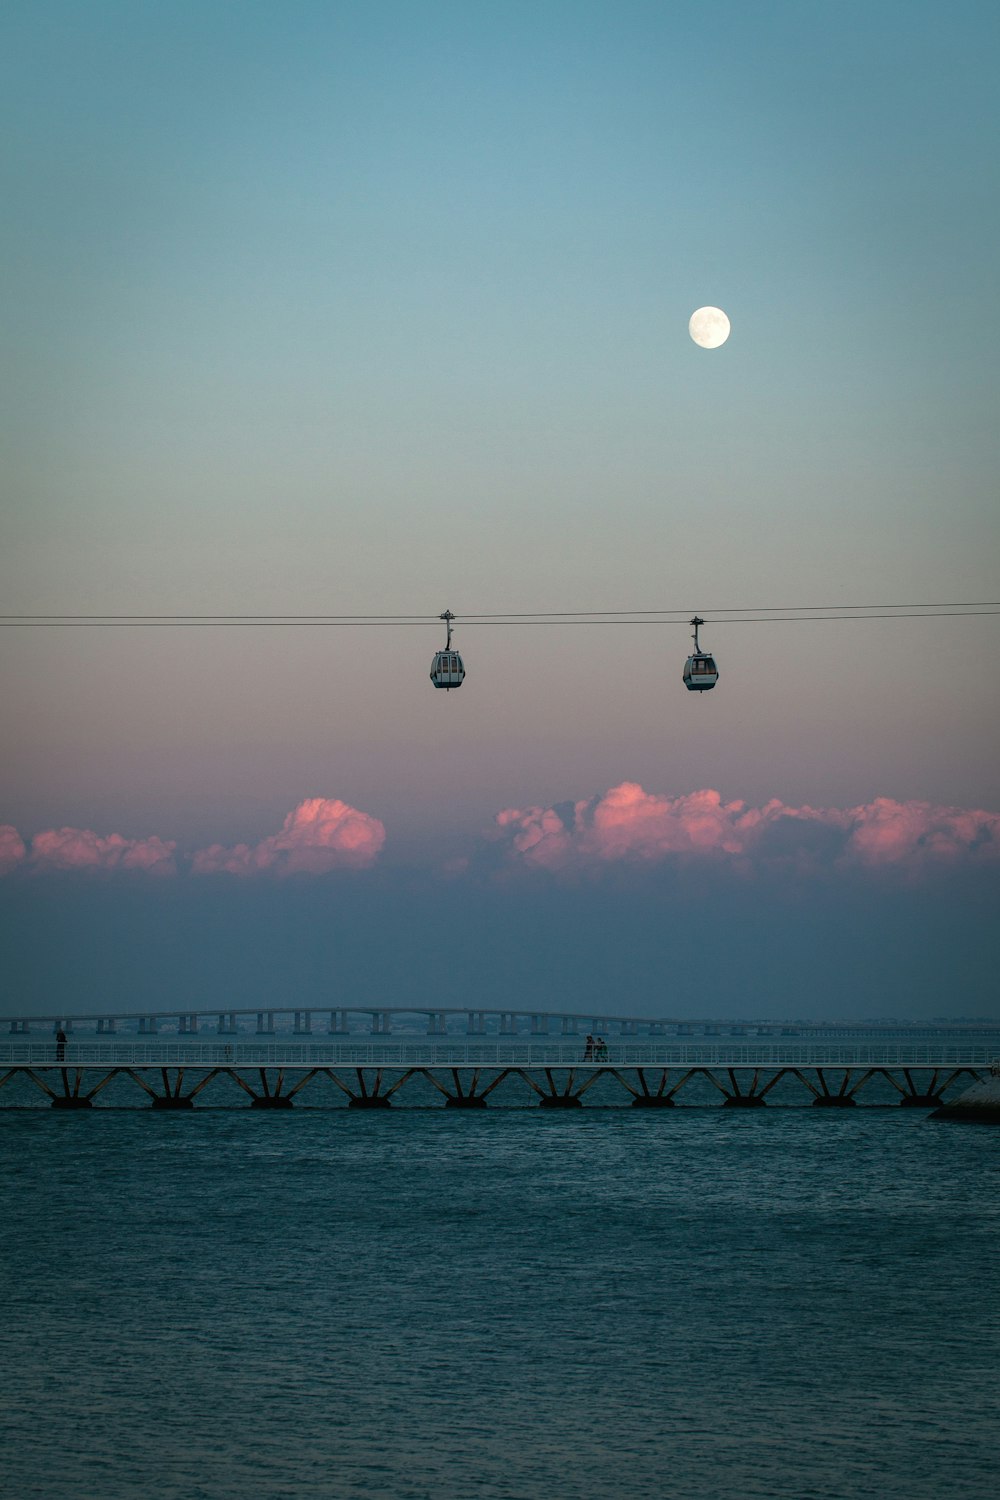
(440, 1021)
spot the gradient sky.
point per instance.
(383, 307)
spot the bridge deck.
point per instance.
(491, 1053)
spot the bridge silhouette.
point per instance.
(72, 1071)
(444, 1020)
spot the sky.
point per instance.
(382, 308)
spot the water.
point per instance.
(432, 1305)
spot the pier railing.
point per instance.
(491, 1053)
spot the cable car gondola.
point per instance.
(447, 670)
(700, 671)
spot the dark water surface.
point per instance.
(436, 1305)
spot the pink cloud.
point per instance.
(320, 835)
(629, 824)
(12, 849)
(82, 849)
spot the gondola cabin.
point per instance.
(447, 670)
(700, 671)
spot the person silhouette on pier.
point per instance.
(601, 1049)
(60, 1045)
(588, 1051)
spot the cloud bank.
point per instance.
(624, 828)
(82, 849)
(319, 835)
(628, 825)
(12, 850)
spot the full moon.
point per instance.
(709, 327)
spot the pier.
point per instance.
(379, 1072)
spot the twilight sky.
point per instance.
(382, 306)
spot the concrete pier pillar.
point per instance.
(539, 1025)
(569, 1026)
(477, 1023)
(380, 1023)
(436, 1023)
(227, 1024)
(302, 1022)
(147, 1025)
(19, 1028)
(629, 1028)
(65, 1026)
(338, 1023)
(265, 1023)
(508, 1023)
(187, 1024)
(105, 1026)
(600, 1025)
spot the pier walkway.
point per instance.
(372, 1073)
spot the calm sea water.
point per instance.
(435, 1305)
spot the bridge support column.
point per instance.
(65, 1025)
(539, 1025)
(380, 1023)
(227, 1024)
(824, 1098)
(569, 1026)
(369, 1098)
(187, 1024)
(19, 1028)
(437, 1025)
(645, 1100)
(74, 1094)
(105, 1026)
(265, 1023)
(338, 1023)
(462, 1098)
(302, 1022)
(508, 1023)
(147, 1025)
(477, 1023)
(269, 1098)
(567, 1098)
